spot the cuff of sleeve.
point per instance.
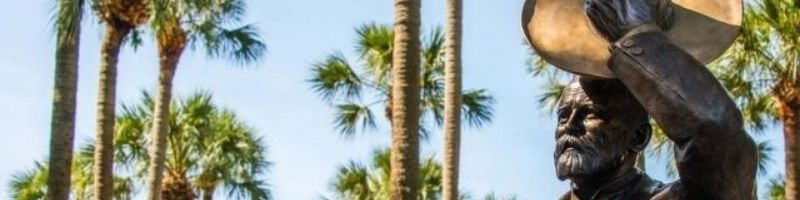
(637, 40)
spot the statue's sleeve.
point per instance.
(716, 158)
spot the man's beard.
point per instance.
(577, 156)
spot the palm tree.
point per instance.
(30, 184)
(62, 125)
(340, 83)
(120, 17)
(404, 182)
(357, 181)
(210, 148)
(452, 102)
(762, 72)
(180, 23)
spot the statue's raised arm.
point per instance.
(603, 122)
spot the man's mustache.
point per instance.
(585, 144)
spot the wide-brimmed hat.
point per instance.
(561, 33)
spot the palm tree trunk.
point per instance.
(62, 125)
(404, 179)
(452, 100)
(106, 97)
(168, 61)
(790, 116)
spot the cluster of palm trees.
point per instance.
(343, 86)
(210, 149)
(415, 80)
(762, 74)
(174, 24)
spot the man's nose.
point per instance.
(574, 124)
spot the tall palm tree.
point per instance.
(357, 181)
(343, 85)
(178, 23)
(120, 17)
(62, 125)
(210, 148)
(404, 182)
(762, 71)
(452, 99)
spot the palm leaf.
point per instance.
(350, 116)
(334, 79)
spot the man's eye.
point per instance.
(592, 115)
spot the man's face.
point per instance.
(595, 129)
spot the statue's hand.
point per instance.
(614, 18)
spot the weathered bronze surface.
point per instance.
(603, 124)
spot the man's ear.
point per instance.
(641, 137)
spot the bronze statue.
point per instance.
(646, 70)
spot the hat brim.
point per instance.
(561, 34)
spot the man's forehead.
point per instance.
(573, 94)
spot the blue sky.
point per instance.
(512, 156)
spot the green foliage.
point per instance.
(356, 181)
(32, 184)
(67, 19)
(210, 144)
(776, 189)
(339, 83)
(211, 25)
(766, 55)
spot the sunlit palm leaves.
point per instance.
(31, 184)
(211, 145)
(766, 55)
(347, 85)
(356, 181)
(212, 25)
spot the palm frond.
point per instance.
(350, 116)
(352, 182)
(30, 184)
(374, 47)
(67, 18)
(765, 150)
(478, 107)
(241, 45)
(552, 94)
(334, 79)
